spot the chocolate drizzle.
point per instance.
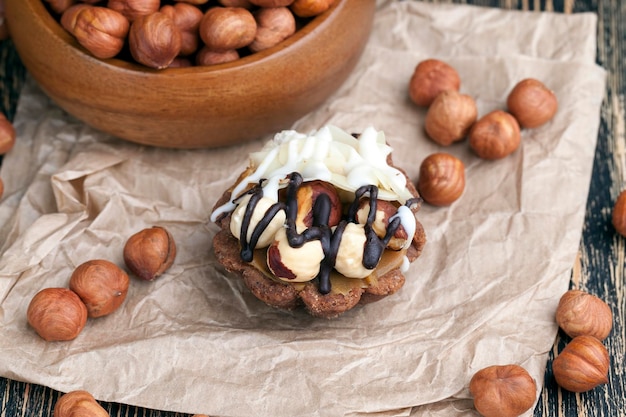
(320, 230)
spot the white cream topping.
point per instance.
(328, 154)
(407, 220)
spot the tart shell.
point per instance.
(291, 296)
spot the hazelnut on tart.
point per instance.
(323, 221)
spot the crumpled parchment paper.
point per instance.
(484, 291)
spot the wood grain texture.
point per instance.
(601, 266)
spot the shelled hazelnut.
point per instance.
(580, 313)
(306, 197)
(385, 210)
(226, 28)
(7, 135)
(271, 3)
(532, 103)
(503, 391)
(132, 9)
(57, 314)
(430, 78)
(495, 135)
(150, 252)
(187, 18)
(101, 285)
(59, 6)
(236, 3)
(206, 56)
(154, 40)
(309, 8)
(441, 179)
(77, 404)
(274, 25)
(450, 117)
(100, 30)
(618, 215)
(582, 365)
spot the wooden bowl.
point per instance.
(198, 106)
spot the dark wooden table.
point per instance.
(601, 268)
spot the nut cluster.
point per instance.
(178, 33)
(584, 362)
(303, 262)
(581, 366)
(453, 117)
(98, 287)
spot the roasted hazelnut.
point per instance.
(495, 135)
(274, 25)
(582, 365)
(7, 135)
(532, 103)
(59, 6)
(206, 56)
(150, 252)
(227, 28)
(503, 391)
(294, 264)
(307, 196)
(100, 30)
(236, 3)
(194, 2)
(580, 313)
(310, 8)
(187, 18)
(430, 78)
(132, 9)
(441, 179)
(101, 285)
(271, 3)
(385, 210)
(57, 314)
(450, 117)
(618, 216)
(78, 404)
(68, 18)
(180, 62)
(154, 40)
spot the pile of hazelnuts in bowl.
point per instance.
(453, 116)
(180, 33)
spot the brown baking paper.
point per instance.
(483, 292)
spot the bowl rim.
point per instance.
(316, 24)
